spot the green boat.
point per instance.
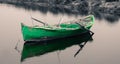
(39, 48)
(49, 32)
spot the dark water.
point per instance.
(104, 49)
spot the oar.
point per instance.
(40, 22)
(84, 28)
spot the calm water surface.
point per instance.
(104, 49)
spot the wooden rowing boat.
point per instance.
(66, 29)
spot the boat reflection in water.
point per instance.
(38, 48)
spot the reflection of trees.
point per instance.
(83, 8)
(110, 14)
(111, 18)
(111, 0)
(76, 7)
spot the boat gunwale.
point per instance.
(54, 27)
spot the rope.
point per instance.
(16, 47)
(31, 19)
(58, 53)
(60, 19)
